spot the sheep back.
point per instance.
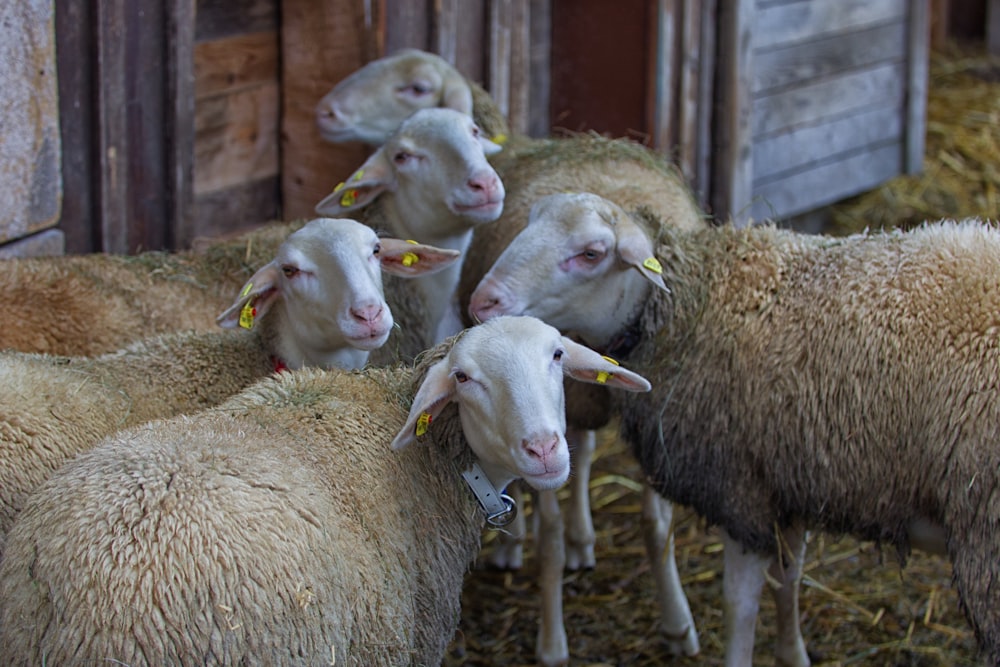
(276, 528)
(52, 408)
(853, 383)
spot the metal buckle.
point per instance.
(505, 516)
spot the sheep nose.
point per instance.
(488, 184)
(485, 303)
(541, 448)
(368, 314)
(329, 113)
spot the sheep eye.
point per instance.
(417, 88)
(590, 255)
(289, 270)
(461, 377)
(401, 157)
(377, 250)
(558, 355)
(475, 131)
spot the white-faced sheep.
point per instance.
(845, 384)
(318, 303)
(371, 103)
(279, 527)
(365, 106)
(429, 182)
(98, 303)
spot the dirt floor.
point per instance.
(858, 606)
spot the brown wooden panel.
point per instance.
(842, 94)
(229, 64)
(321, 44)
(793, 65)
(237, 208)
(827, 183)
(224, 18)
(407, 24)
(600, 66)
(236, 138)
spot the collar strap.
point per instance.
(499, 507)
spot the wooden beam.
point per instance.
(112, 136)
(916, 93)
(993, 27)
(179, 123)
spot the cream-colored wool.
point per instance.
(99, 303)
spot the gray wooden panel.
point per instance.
(810, 189)
(918, 64)
(837, 95)
(796, 149)
(792, 65)
(808, 19)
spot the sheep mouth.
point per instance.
(369, 340)
(548, 480)
(489, 209)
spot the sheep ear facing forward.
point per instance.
(361, 188)
(409, 258)
(583, 364)
(256, 298)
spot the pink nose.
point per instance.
(485, 183)
(541, 448)
(368, 314)
(485, 303)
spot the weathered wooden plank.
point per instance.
(217, 19)
(918, 64)
(179, 132)
(321, 43)
(407, 23)
(993, 26)
(792, 65)
(518, 70)
(112, 135)
(827, 183)
(498, 66)
(75, 37)
(469, 51)
(664, 68)
(777, 155)
(687, 94)
(233, 63)
(236, 138)
(47, 243)
(733, 177)
(802, 21)
(237, 208)
(830, 97)
(541, 46)
(702, 184)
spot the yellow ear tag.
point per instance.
(358, 175)
(653, 265)
(247, 315)
(349, 198)
(246, 290)
(499, 139)
(340, 186)
(602, 376)
(423, 422)
(409, 259)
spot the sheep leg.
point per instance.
(742, 582)
(580, 536)
(678, 624)
(786, 576)
(508, 552)
(552, 647)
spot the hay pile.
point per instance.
(961, 175)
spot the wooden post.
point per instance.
(916, 96)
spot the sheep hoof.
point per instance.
(580, 557)
(552, 650)
(684, 642)
(506, 556)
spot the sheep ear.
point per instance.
(490, 147)
(409, 258)
(582, 363)
(455, 93)
(635, 249)
(434, 394)
(255, 298)
(361, 188)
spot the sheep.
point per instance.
(370, 104)
(318, 303)
(84, 305)
(376, 98)
(278, 527)
(801, 382)
(430, 182)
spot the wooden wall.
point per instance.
(820, 100)
(237, 96)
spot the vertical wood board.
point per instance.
(779, 25)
